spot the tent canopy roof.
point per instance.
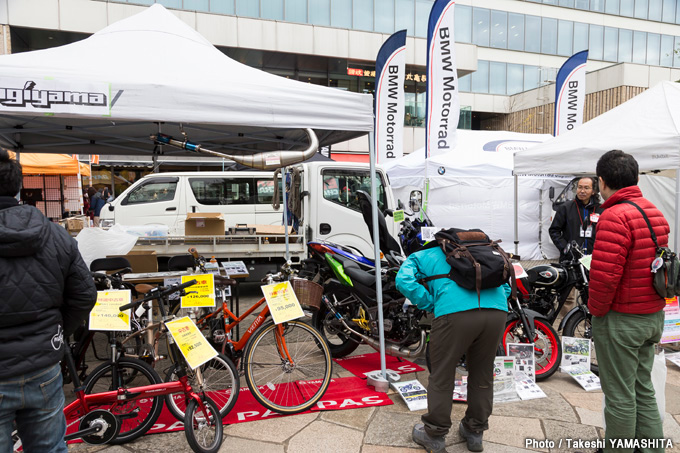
(647, 127)
(152, 72)
(53, 164)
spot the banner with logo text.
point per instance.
(442, 103)
(570, 93)
(390, 68)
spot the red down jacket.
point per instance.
(620, 273)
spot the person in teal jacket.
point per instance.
(463, 324)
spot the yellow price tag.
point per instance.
(282, 302)
(204, 295)
(191, 342)
(105, 314)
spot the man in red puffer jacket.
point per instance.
(627, 312)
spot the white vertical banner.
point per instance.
(390, 68)
(443, 105)
(570, 93)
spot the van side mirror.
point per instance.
(110, 207)
(415, 200)
(551, 193)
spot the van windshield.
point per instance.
(341, 186)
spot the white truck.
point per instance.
(326, 206)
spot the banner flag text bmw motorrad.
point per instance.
(570, 93)
(442, 104)
(389, 98)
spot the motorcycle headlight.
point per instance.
(106, 224)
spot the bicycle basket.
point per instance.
(308, 293)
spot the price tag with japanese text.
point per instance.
(398, 215)
(282, 302)
(204, 295)
(105, 314)
(191, 342)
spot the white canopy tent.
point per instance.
(152, 72)
(473, 187)
(647, 127)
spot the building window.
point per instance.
(362, 15)
(611, 43)
(423, 8)
(653, 44)
(625, 46)
(221, 7)
(565, 37)
(597, 5)
(580, 37)
(641, 7)
(639, 47)
(480, 27)
(296, 11)
(515, 31)
(596, 39)
(480, 78)
(341, 13)
(582, 4)
(463, 18)
(666, 58)
(611, 7)
(668, 11)
(404, 17)
(464, 83)
(655, 10)
(499, 29)
(567, 3)
(627, 8)
(497, 79)
(531, 77)
(549, 36)
(175, 4)
(515, 78)
(532, 40)
(320, 12)
(384, 16)
(197, 5)
(272, 9)
(247, 8)
(676, 54)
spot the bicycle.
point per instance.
(287, 366)
(106, 402)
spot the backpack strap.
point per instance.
(649, 225)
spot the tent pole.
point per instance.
(376, 251)
(285, 208)
(676, 233)
(516, 216)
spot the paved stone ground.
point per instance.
(568, 413)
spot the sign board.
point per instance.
(282, 301)
(191, 342)
(105, 315)
(205, 291)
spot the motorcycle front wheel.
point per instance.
(579, 326)
(547, 346)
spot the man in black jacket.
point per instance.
(46, 293)
(576, 220)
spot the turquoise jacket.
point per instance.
(444, 295)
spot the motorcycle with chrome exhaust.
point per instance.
(349, 315)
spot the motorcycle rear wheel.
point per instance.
(340, 342)
(547, 345)
(579, 326)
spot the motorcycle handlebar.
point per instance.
(158, 294)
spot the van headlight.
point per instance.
(106, 223)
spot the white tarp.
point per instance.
(647, 126)
(106, 94)
(473, 187)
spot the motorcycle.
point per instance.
(546, 288)
(349, 315)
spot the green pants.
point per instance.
(625, 354)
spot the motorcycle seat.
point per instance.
(356, 273)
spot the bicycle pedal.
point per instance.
(133, 414)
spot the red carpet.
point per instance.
(358, 365)
(342, 393)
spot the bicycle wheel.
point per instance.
(547, 347)
(579, 326)
(203, 431)
(137, 416)
(220, 383)
(288, 366)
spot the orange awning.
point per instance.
(50, 164)
(347, 157)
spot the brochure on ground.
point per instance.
(413, 393)
(526, 388)
(460, 389)
(576, 353)
(503, 380)
(586, 378)
(524, 359)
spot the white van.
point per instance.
(328, 205)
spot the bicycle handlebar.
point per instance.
(157, 294)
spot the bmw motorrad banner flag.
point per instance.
(570, 93)
(442, 103)
(390, 66)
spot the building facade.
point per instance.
(508, 51)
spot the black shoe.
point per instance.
(431, 444)
(474, 440)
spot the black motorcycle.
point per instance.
(546, 288)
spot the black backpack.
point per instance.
(476, 261)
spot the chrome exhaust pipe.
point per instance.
(266, 160)
(392, 349)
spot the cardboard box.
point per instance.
(204, 224)
(271, 229)
(75, 224)
(141, 261)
